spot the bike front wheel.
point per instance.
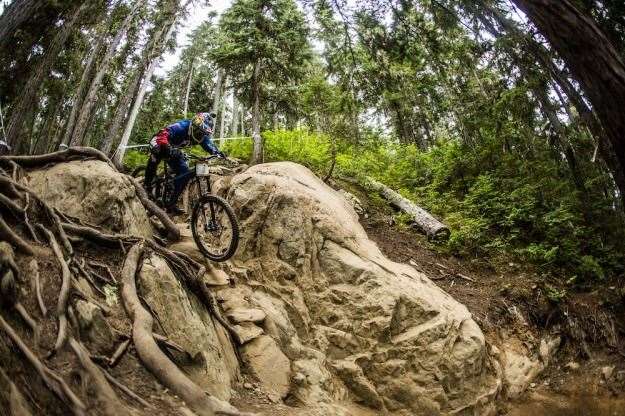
(215, 228)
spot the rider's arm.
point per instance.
(208, 145)
(162, 138)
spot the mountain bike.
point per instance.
(213, 223)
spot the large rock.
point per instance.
(390, 337)
(213, 364)
(95, 193)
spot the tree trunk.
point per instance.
(15, 14)
(423, 219)
(43, 138)
(257, 154)
(185, 109)
(29, 92)
(234, 128)
(90, 100)
(544, 57)
(242, 122)
(592, 59)
(80, 93)
(222, 124)
(152, 62)
(121, 111)
(217, 90)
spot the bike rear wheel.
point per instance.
(215, 228)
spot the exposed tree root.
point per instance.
(12, 205)
(172, 231)
(79, 153)
(152, 357)
(17, 404)
(119, 353)
(106, 398)
(54, 382)
(167, 343)
(9, 235)
(66, 284)
(50, 212)
(27, 223)
(185, 268)
(32, 324)
(9, 293)
(57, 231)
(113, 280)
(67, 155)
(80, 269)
(126, 390)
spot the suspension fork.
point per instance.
(212, 207)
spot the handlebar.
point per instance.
(203, 158)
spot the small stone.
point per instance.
(273, 398)
(246, 315)
(248, 386)
(572, 366)
(532, 385)
(247, 331)
(299, 378)
(607, 372)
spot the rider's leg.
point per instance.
(150, 171)
(154, 158)
(181, 169)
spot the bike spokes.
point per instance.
(214, 228)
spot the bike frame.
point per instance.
(168, 180)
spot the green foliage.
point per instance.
(496, 206)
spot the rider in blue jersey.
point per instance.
(166, 144)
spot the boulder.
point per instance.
(94, 327)
(186, 322)
(390, 337)
(95, 193)
(521, 366)
(269, 364)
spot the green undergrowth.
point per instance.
(497, 207)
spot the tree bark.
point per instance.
(80, 93)
(257, 154)
(185, 110)
(91, 96)
(217, 90)
(29, 92)
(423, 219)
(592, 59)
(15, 14)
(122, 110)
(234, 128)
(222, 124)
(152, 61)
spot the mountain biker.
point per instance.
(166, 145)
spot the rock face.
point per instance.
(93, 192)
(212, 362)
(352, 324)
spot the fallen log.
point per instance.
(432, 227)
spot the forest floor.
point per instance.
(509, 299)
